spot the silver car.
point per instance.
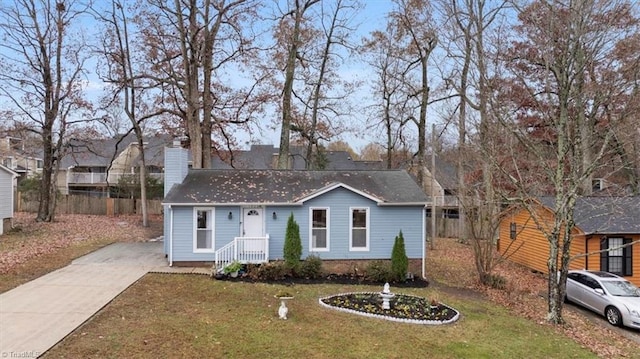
(605, 293)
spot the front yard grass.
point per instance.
(194, 316)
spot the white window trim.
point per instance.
(351, 247)
(212, 211)
(311, 248)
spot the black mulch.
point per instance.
(401, 306)
(416, 282)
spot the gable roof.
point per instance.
(215, 186)
(445, 173)
(8, 170)
(605, 215)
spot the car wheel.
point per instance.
(613, 316)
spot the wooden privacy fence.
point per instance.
(445, 227)
(78, 204)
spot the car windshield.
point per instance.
(621, 288)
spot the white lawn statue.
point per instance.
(283, 310)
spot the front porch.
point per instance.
(245, 250)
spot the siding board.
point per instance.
(531, 248)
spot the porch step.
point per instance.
(244, 250)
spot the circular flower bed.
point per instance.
(404, 308)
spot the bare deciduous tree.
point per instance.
(417, 35)
(336, 32)
(470, 23)
(42, 74)
(189, 45)
(126, 82)
(559, 104)
(390, 104)
(297, 14)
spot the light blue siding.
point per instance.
(182, 236)
(225, 230)
(276, 228)
(6, 194)
(384, 225)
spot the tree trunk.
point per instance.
(143, 177)
(210, 34)
(422, 121)
(290, 69)
(44, 193)
(189, 51)
(285, 131)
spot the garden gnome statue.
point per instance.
(282, 312)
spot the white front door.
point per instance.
(252, 222)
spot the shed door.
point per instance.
(252, 222)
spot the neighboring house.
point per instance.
(445, 189)
(601, 223)
(262, 157)
(14, 156)
(221, 215)
(83, 169)
(7, 190)
(441, 184)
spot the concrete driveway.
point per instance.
(629, 333)
(37, 315)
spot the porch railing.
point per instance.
(244, 250)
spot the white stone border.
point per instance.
(385, 317)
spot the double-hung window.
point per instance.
(203, 236)
(616, 258)
(359, 229)
(319, 236)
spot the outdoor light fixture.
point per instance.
(230, 215)
(275, 215)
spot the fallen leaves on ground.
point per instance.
(452, 264)
(30, 239)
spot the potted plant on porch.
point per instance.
(232, 269)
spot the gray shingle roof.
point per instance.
(217, 186)
(445, 173)
(100, 152)
(605, 215)
(262, 157)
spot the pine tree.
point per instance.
(292, 244)
(399, 259)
